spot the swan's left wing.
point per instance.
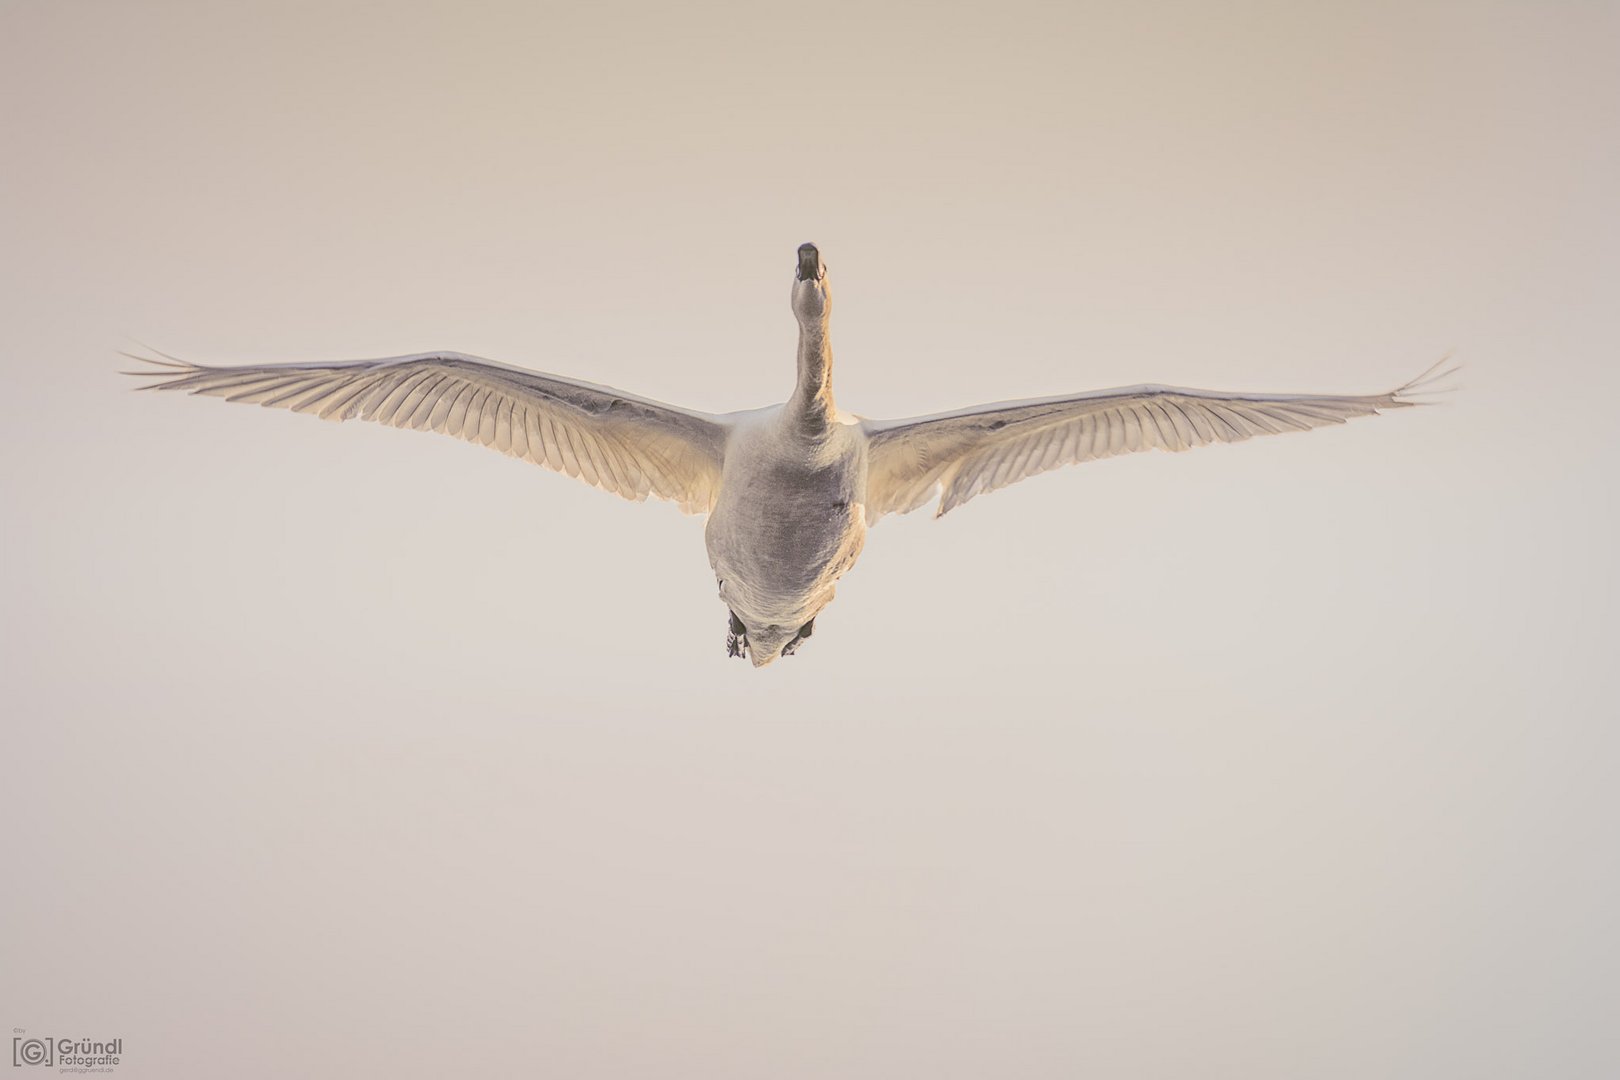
(972, 451)
(631, 446)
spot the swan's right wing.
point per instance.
(959, 455)
(631, 446)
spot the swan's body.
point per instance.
(791, 489)
(790, 521)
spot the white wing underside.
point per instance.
(959, 455)
(615, 441)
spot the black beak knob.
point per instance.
(809, 263)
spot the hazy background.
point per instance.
(332, 750)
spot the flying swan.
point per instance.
(790, 490)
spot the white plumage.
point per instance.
(791, 489)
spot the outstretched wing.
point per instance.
(618, 442)
(969, 452)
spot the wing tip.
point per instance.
(1430, 381)
(163, 371)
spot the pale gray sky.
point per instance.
(335, 751)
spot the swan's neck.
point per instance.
(813, 397)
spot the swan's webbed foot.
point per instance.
(798, 639)
(736, 637)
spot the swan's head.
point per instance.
(811, 300)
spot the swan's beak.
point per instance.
(810, 268)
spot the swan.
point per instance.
(790, 490)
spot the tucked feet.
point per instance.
(736, 637)
(798, 639)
